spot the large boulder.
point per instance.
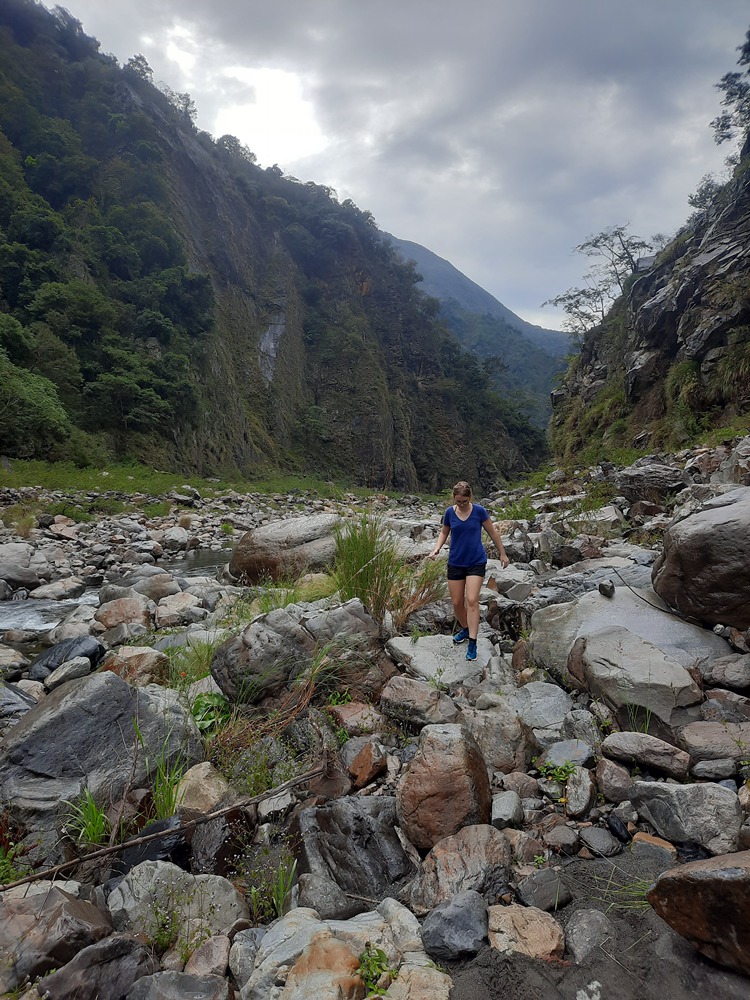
(279, 646)
(707, 814)
(83, 734)
(556, 628)
(630, 673)
(44, 931)
(353, 843)
(445, 788)
(707, 903)
(704, 570)
(650, 479)
(285, 548)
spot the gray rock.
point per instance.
(707, 814)
(157, 892)
(106, 970)
(649, 752)
(585, 931)
(600, 841)
(180, 986)
(437, 659)
(78, 666)
(507, 810)
(325, 897)
(630, 673)
(45, 930)
(416, 702)
(82, 734)
(457, 928)
(68, 589)
(568, 751)
(242, 953)
(555, 628)
(353, 843)
(50, 659)
(285, 548)
(580, 792)
(704, 570)
(545, 890)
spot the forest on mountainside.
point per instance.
(164, 298)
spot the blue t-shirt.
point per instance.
(466, 547)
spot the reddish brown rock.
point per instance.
(445, 788)
(138, 665)
(42, 932)
(370, 763)
(613, 780)
(707, 903)
(325, 968)
(125, 611)
(477, 857)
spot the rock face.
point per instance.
(707, 903)
(285, 548)
(704, 570)
(447, 757)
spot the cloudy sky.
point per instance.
(497, 133)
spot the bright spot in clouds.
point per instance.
(279, 125)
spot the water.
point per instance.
(41, 616)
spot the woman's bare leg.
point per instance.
(473, 586)
(456, 588)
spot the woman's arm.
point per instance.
(492, 531)
(442, 538)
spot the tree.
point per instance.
(232, 145)
(736, 89)
(617, 253)
(138, 65)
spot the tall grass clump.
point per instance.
(369, 566)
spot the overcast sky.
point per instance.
(497, 133)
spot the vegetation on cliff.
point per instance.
(164, 298)
(667, 364)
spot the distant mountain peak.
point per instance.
(443, 281)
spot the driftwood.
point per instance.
(147, 838)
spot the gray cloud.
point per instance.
(498, 135)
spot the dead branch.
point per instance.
(147, 838)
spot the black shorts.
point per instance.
(461, 572)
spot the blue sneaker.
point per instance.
(461, 636)
(471, 651)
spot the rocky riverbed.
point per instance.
(566, 816)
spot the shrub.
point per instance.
(368, 566)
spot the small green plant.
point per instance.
(227, 528)
(166, 779)
(539, 861)
(339, 697)
(416, 634)
(283, 883)
(557, 772)
(85, 821)
(165, 774)
(210, 710)
(375, 970)
(436, 681)
(639, 718)
(267, 880)
(341, 735)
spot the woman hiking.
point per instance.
(467, 560)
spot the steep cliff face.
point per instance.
(163, 297)
(672, 360)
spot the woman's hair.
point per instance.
(462, 489)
